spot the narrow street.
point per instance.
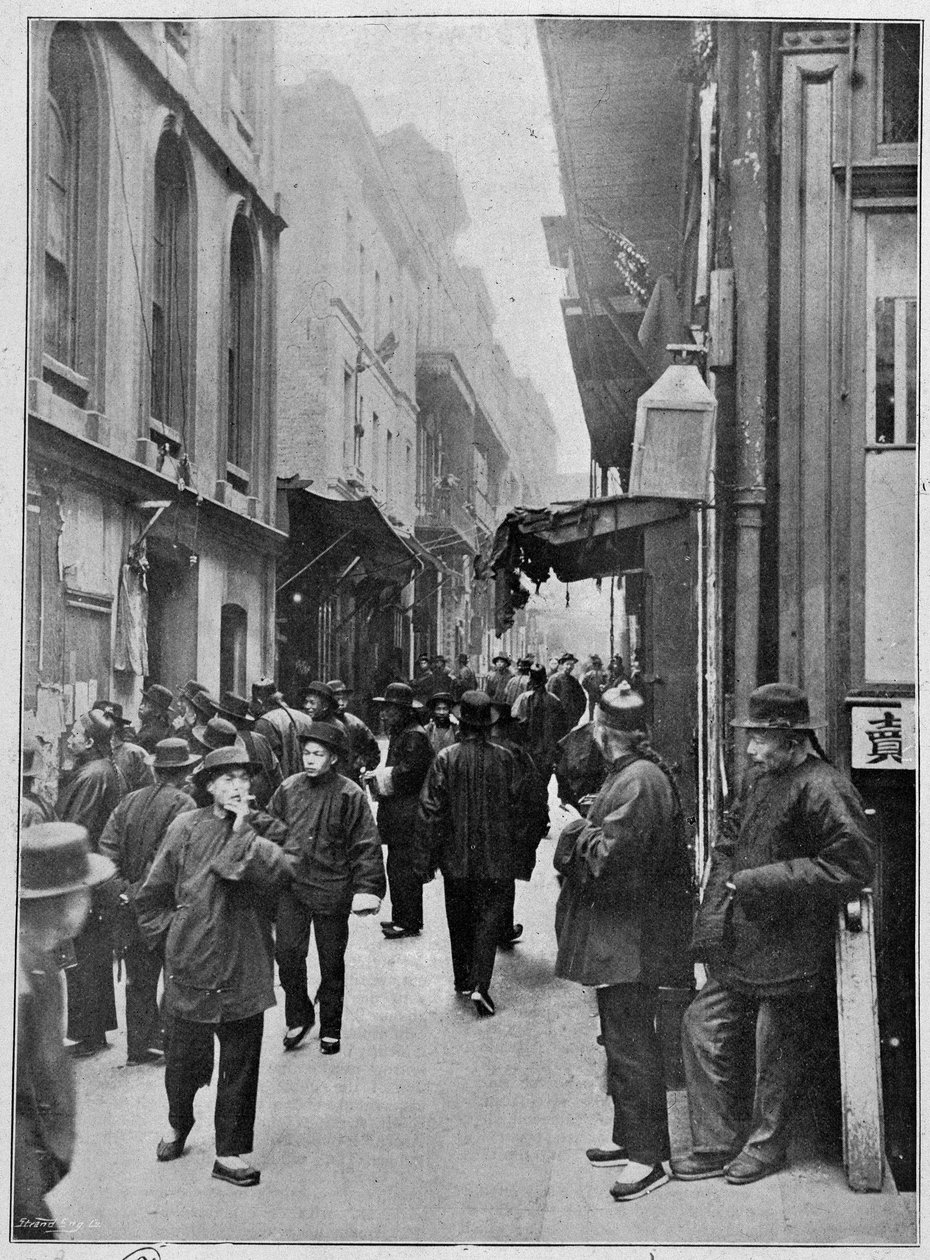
(431, 1126)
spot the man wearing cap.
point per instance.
(154, 723)
(465, 679)
(794, 846)
(565, 687)
(622, 923)
(130, 840)
(495, 685)
(209, 901)
(543, 720)
(364, 753)
(339, 870)
(88, 798)
(467, 820)
(267, 776)
(57, 873)
(130, 758)
(280, 724)
(197, 707)
(440, 730)
(397, 786)
(423, 682)
(442, 679)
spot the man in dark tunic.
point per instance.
(154, 721)
(544, 722)
(440, 729)
(209, 901)
(793, 848)
(622, 923)
(280, 724)
(338, 870)
(465, 678)
(467, 820)
(364, 752)
(497, 681)
(266, 776)
(88, 798)
(130, 840)
(423, 682)
(397, 785)
(130, 758)
(565, 687)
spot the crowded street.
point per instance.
(432, 1125)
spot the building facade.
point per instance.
(150, 526)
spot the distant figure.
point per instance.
(594, 683)
(423, 682)
(465, 679)
(495, 685)
(154, 722)
(364, 753)
(56, 875)
(616, 673)
(440, 729)
(130, 758)
(266, 776)
(545, 722)
(280, 725)
(196, 706)
(566, 687)
(519, 682)
(442, 679)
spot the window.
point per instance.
(233, 638)
(240, 354)
(72, 212)
(171, 283)
(900, 93)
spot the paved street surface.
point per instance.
(432, 1126)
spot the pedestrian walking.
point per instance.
(495, 685)
(442, 679)
(594, 683)
(440, 729)
(57, 872)
(130, 839)
(543, 718)
(519, 682)
(338, 870)
(794, 846)
(267, 776)
(565, 687)
(209, 901)
(397, 787)
(464, 678)
(280, 724)
(154, 722)
(364, 752)
(88, 798)
(622, 923)
(130, 758)
(467, 819)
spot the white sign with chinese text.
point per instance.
(883, 736)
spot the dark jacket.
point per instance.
(209, 899)
(467, 815)
(545, 722)
(624, 912)
(496, 683)
(33, 810)
(268, 778)
(531, 819)
(568, 689)
(464, 680)
(90, 795)
(156, 727)
(423, 685)
(332, 834)
(364, 750)
(45, 1109)
(440, 736)
(580, 769)
(130, 760)
(280, 726)
(409, 753)
(796, 845)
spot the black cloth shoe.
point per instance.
(236, 1176)
(510, 937)
(86, 1049)
(293, 1039)
(145, 1056)
(746, 1168)
(482, 1003)
(610, 1158)
(393, 931)
(330, 1045)
(697, 1166)
(622, 1192)
(168, 1150)
(464, 990)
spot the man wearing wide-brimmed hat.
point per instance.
(56, 875)
(267, 777)
(209, 900)
(130, 840)
(154, 722)
(467, 825)
(339, 871)
(364, 753)
(88, 798)
(397, 785)
(793, 847)
(196, 706)
(130, 758)
(622, 923)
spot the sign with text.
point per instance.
(883, 735)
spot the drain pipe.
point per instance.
(746, 58)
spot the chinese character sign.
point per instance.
(883, 736)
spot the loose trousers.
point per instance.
(476, 911)
(91, 999)
(292, 941)
(406, 888)
(143, 1018)
(189, 1064)
(635, 1079)
(718, 1031)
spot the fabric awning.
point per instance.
(344, 529)
(586, 539)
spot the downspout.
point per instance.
(744, 69)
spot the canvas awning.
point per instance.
(589, 538)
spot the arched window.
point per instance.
(171, 284)
(234, 623)
(240, 355)
(71, 202)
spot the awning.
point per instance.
(428, 558)
(587, 539)
(329, 534)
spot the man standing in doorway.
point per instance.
(793, 848)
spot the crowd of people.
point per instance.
(211, 843)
